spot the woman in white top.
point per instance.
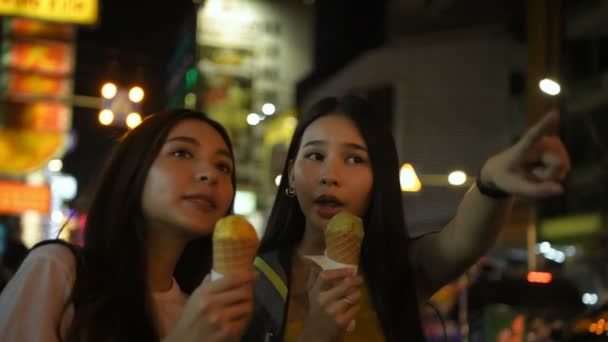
(140, 275)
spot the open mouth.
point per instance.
(328, 206)
(202, 202)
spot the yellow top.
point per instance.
(367, 326)
(234, 227)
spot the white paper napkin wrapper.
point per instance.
(326, 263)
(215, 275)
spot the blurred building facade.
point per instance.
(239, 62)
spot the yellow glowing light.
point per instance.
(133, 120)
(106, 117)
(108, 90)
(408, 179)
(136, 94)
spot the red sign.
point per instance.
(54, 58)
(39, 116)
(23, 86)
(15, 198)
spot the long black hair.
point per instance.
(384, 253)
(111, 297)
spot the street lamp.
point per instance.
(549, 86)
(108, 90)
(133, 120)
(253, 119)
(120, 105)
(457, 178)
(106, 117)
(268, 109)
(136, 94)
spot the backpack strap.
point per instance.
(272, 276)
(271, 292)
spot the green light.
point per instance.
(191, 77)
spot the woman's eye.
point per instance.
(181, 154)
(355, 160)
(314, 156)
(225, 168)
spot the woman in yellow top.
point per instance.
(343, 158)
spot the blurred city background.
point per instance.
(457, 81)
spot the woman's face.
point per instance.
(332, 170)
(189, 185)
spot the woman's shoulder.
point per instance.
(34, 299)
(54, 255)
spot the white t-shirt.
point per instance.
(32, 302)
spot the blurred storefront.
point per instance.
(36, 82)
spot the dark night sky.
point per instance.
(131, 43)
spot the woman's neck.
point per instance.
(163, 252)
(313, 241)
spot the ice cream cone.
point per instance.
(235, 245)
(343, 238)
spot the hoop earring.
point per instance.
(290, 192)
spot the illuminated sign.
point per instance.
(23, 151)
(25, 86)
(39, 116)
(55, 58)
(36, 69)
(15, 198)
(539, 277)
(39, 29)
(68, 11)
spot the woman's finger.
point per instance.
(546, 126)
(328, 278)
(238, 311)
(533, 189)
(344, 287)
(236, 295)
(229, 281)
(333, 298)
(347, 316)
(344, 303)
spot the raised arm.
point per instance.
(532, 168)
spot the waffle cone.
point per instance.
(343, 238)
(231, 256)
(235, 244)
(343, 247)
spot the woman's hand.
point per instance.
(217, 310)
(333, 304)
(534, 167)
